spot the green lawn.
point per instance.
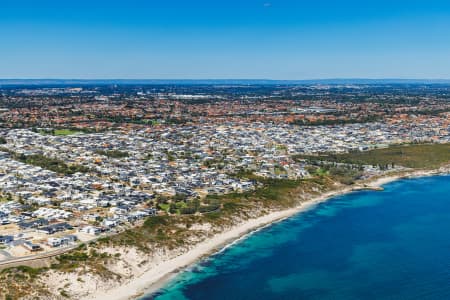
(60, 132)
(164, 206)
(64, 132)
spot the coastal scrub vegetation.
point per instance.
(25, 282)
(48, 163)
(176, 230)
(51, 164)
(20, 282)
(183, 230)
(113, 153)
(345, 174)
(417, 156)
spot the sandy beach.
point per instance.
(157, 276)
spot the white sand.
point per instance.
(156, 277)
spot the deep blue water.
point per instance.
(393, 244)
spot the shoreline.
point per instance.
(157, 277)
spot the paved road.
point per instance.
(14, 260)
(5, 254)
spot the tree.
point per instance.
(172, 208)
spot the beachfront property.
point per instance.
(127, 171)
(101, 177)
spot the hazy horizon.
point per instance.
(43, 81)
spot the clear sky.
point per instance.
(272, 39)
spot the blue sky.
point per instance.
(278, 39)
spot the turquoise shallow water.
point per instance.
(393, 244)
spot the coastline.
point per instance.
(155, 278)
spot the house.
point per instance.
(63, 241)
(31, 247)
(110, 223)
(92, 217)
(6, 239)
(33, 224)
(51, 229)
(91, 230)
(68, 239)
(54, 242)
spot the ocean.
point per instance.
(393, 244)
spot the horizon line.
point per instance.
(62, 82)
